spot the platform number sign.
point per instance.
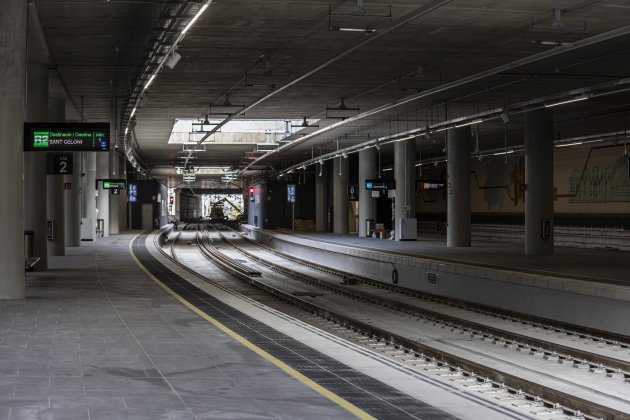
(353, 192)
(59, 164)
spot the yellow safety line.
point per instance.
(264, 354)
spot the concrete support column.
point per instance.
(13, 59)
(102, 199)
(35, 164)
(321, 198)
(340, 195)
(257, 209)
(88, 223)
(114, 217)
(405, 175)
(55, 189)
(73, 202)
(367, 205)
(539, 180)
(122, 200)
(458, 200)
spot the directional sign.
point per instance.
(379, 184)
(66, 137)
(59, 164)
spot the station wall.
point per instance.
(589, 182)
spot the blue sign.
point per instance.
(133, 193)
(291, 193)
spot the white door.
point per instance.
(147, 216)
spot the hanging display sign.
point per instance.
(66, 137)
(113, 184)
(379, 184)
(428, 185)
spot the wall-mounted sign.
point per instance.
(114, 191)
(59, 164)
(433, 278)
(379, 184)
(67, 186)
(66, 137)
(113, 184)
(353, 192)
(291, 193)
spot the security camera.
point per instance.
(115, 147)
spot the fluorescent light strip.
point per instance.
(133, 111)
(366, 30)
(468, 123)
(150, 81)
(577, 143)
(126, 130)
(579, 98)
(509, 152)
(194, 19)
(388, 169)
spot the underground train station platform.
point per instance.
(96, 338)
(114, 331)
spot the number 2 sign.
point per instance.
(59, 164)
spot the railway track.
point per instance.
(448, 354)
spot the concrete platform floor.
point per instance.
(97, 339)
(605, 265)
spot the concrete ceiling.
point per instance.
(250, 49)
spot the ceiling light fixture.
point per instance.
(469, 123)
(345, 29)
(126, 130)
(344, 154)
(567, 101)
(194, 19)
(150, 80)
(133, 111)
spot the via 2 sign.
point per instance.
(59, 164)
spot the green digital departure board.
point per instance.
(66, 137)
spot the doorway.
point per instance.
(147, 216)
